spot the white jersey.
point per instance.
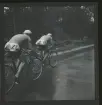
(44, 40)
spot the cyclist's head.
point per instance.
(27, 32)
(49, 34)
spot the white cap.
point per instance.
(28, 32)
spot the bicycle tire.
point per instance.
(36, 68)
(9, 69)
(50, 58)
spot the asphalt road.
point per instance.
(72, 79)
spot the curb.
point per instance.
(75, 49)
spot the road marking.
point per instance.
(72, 50)
(75, 56)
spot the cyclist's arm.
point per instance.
(51, 41)
(30, 47)
(37, 42)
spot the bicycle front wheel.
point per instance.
(36, 68)
(9, 78)
(53, 59)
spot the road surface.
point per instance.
(72, 79)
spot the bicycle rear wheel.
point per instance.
(9, 78)
(53, 59)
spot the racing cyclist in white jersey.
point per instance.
(44, 43)
(14, 46)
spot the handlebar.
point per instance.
(26, 51)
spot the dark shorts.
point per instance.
(12, 55)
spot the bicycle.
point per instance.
(36, 64)
(49, 57)
(11, 70)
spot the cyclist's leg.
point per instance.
(17, 58)
(17, 62)
(41, 48)
(19, 69)
(23, 60)
(19, 65)
(45, 51)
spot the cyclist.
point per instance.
(44, 42)
(14, 46)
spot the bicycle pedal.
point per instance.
(17, 81)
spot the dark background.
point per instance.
(65, 22)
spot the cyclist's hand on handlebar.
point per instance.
(26, 51)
